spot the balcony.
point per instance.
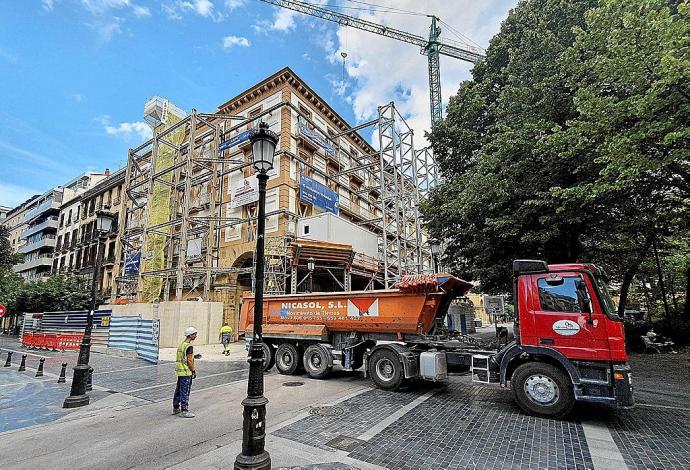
(43, 260)
(51, 203)
(50, 222)
(48, 241)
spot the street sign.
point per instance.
(2, 311)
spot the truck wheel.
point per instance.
(269, 356)
(542, 390)
(288, 359)
(386, 370)
(316, 362)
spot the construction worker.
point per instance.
(185, 369)
(224, 337)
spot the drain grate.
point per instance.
(293, 384)
(326, 411)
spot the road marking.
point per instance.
(665, 407)
(383, 424)
(28, 353)
(602, 448)
(175, 383)
(123, 370)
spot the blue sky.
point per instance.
(75, 74)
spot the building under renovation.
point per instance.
(341, 214)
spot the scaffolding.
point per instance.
(201, 151)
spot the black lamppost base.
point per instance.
(256, 462)
(76, 401)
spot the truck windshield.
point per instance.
(608, 304)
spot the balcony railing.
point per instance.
(32, 245)
(50, 222)
(42, 260)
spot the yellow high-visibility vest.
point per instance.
(181, 367)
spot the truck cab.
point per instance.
(569, 341)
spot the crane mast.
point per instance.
(433, 48)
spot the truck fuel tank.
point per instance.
(433, 366)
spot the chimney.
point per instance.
(107, 172)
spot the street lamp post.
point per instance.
(77, 396)
(311, 265)
(253, 455)
(435, 251)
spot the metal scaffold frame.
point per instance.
(397, 178)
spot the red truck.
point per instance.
(568, 346)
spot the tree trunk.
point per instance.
(625, 289)
(630, 275)
(661, 282)
(686, 310)
(672, 291)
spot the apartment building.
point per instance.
(42, 218)
(16, 223)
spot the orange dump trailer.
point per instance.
(315, 331)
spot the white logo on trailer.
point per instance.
(565, 327)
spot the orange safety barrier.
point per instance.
(52, 341)
(69, 342)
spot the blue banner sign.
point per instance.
(318, 194)
(132, 263)
(316, 138)
(238, 139)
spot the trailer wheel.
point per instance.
(542, 390)
(288, 359)
(386, 370)
(316, 362)
(269, 356)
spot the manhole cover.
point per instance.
(346, 443)
(293, 384)
(326, 411)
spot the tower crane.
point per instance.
(433, 47)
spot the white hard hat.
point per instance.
(190, 331)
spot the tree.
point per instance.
(54, 294)
(630, 72)
(496, 204)
(571, 141)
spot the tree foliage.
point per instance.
(53, 294)
(571, 141)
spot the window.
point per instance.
(556, 296)
(69, 217)
(62, 220)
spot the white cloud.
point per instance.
(201, 7)
(78, 98)
(126, 130)
(140, 11)
(232, 41)
(283, 19)
(232, 4)
(383, 70)
(177, 9)
(48, 4)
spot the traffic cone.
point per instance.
(39, 371)
(61, 379)
(22, 366)
(9, 359)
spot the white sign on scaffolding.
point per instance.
(246, 193)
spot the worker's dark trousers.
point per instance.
(181, 398)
